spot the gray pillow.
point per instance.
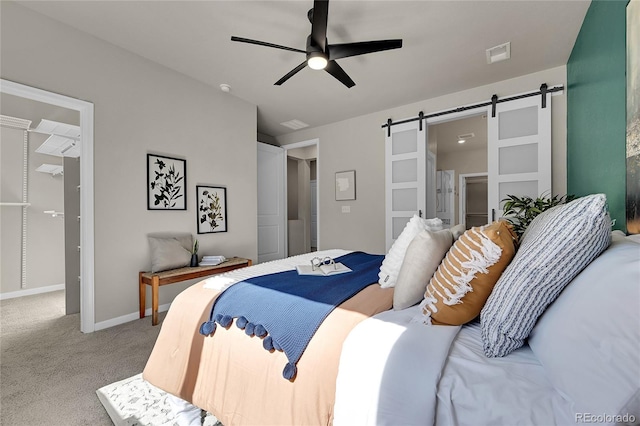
(422, 258)
(184, 238)
(557, 245)
(589, 340)
(168, 253)
(457, 231)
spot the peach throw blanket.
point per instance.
(234, 378)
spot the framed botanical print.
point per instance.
(211, 209)
(166, 183)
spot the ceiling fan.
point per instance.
(321, 54)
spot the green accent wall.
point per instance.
(596, 107)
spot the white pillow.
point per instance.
(421, 260)
(588, 341)
(393, 260)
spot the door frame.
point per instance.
(287, 147)
(87, 252)
(462, 193)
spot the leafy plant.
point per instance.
(195, 247)
(520, 211)
(166, 181)
(210, 209)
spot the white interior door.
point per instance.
(271, 203)
(405, 177)
(445, 197)
(314, 213)
(519, 151)
(430, 182)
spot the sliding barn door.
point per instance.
(519, 151)
(405, 176)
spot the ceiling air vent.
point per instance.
(295, 124)
(463, 138)
(499, 53)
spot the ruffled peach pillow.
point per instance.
(464, 280)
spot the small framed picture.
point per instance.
(346, 185)
(166, 183)
(211, 210)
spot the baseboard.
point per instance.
(128, 318)
(31, 291)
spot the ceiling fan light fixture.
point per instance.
(317, 61)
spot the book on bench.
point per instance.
(211, 260)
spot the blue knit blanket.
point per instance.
(285, 309)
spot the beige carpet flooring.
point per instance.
(49, 370)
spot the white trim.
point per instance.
(87, 290)
(462, 194)
(31, 291)
(128, 318)
(303, 144)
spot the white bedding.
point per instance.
(512, 390)
(394, 371)
(389, 370)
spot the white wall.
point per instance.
(358, 143)
(140, 107)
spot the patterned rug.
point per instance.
(135, 402)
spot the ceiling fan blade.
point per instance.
(264, 43)
(336, 70)
(291, 73)
(319, 23)
(338, 51)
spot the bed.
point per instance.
(369, 364)
(231, 375)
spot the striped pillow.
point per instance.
(557, 245)
(463, 281)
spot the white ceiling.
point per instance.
(443, 51)
(447, 134)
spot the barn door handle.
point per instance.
(493, 215)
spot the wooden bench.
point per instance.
(157, 279)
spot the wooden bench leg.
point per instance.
(143, 296)
(155, 286)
